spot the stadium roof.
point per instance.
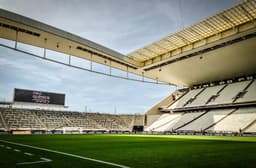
(45, 36)
(217, 48)
(228, 19)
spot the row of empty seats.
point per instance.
(203, 97)
(51, 120)
(221, 94)
(20, 119)
(186, 118)
(217, 120)
(185, 98)
(164, 122)
(239, 120)
(252, 128)
(27, 119)
(229, 93)
(2, 126)
(250, 94)
(81, 120)
(229, 107)
(207, 120)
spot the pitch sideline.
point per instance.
(67, 154)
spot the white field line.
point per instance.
(43, 160)
(29, 154)
(8, 147)
(68, 154)
(16, 150)
(46, 159)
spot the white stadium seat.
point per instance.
(228, 94)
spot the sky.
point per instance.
(121, 25)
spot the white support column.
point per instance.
(91, 63)
(45, 43)
(127, 72)
(69, 57)
(16, 39)
(110, 68)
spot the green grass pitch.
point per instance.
(142, 151)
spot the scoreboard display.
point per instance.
(33, 96)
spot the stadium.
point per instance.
(208, 121)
